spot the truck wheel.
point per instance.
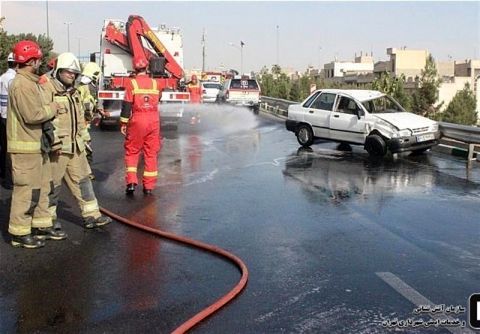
(256, 109)
(375, 146)
(305, 135)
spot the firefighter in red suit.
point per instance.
(140, 124)
(195, 90)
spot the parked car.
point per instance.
(241, 91)
(362, 117)
(210, 91)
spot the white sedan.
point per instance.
(362, 117)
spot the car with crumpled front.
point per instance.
(361, 117)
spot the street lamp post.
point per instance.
(68, 34)
(78, 56)
(48, 28)
(241, 53)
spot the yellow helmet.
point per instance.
(68, 61)
(92, 70)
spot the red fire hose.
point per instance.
(206, 312)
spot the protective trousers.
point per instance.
(32, 194)
(75, 169)
(143, 133)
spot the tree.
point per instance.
(7, 41)
(426, 93)
(461, 110)
(393, 86)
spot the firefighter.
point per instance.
(5, 81)
(29, 139)
(88, 93)
(71, 161)
(140, 124)
(195, 90)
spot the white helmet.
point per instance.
(67, 61)
(10, 58)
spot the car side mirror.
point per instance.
(360, 113)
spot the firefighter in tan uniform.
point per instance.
(29, 139)
(72, 132)
(88, 92)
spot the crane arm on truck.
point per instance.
(137, 28)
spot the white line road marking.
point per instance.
(478, 311)
(417, 299)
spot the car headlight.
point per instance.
(434, 127)
(404, 133)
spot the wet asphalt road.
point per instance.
(315, 228)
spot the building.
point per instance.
(410, 63)
(338, 69)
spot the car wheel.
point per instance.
(305, 135)
(375, 146)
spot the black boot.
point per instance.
(26, 241)
(91, 222)
(130, 188)
(49, 233)
(102, 221)
(147, 192)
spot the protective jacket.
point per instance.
(87, 95)
(140, 112)
(26, 113)
(195, 91)
(69, 124)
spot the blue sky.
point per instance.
(309, 32)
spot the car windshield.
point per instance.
(244, 84)
(383, 104)
(212, 85)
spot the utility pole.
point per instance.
(278, 37)
(241, 57)
(203, 51)
(68, 35)
(48, 28)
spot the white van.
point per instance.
(361, 117)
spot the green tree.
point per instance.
(7, 41)
(426, 92)
(461, 110)
(295, 94)
(393, 86)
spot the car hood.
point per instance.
(405, 120)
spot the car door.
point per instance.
(345, 123)
(318, 114)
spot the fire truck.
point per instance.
(121, 46)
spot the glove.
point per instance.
(48, 137)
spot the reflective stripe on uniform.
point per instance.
(18, 229)
(60, 99)
(41, 221)
(131, 169)
(137, 90)
(145, 91)
(23, 146)
(145, 173)
(89, 207)
(124, 120)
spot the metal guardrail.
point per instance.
(462, 133)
